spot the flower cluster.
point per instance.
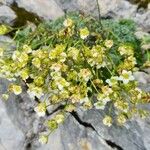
(73, 73)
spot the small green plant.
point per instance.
(76, 62)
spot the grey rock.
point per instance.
(132, 136)
(6, 2)
(143, 19)
(20, 111)
(116, 9)
(11, 137)
(47, 9)
(147, 70)
(142, 77)
(144, 125)
(145, 87)
(4, 39)
(7, 44)
(89, 133)
(7, 15)
(75, 138)
(68, 5)
(18, 118)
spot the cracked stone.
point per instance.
(129, 137)
(75, 138)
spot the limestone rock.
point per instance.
(132, 136)
(7, 15)
(6, 2)
(116, 9)
(73, 136)
(47, 9)
(11, 137)
(142, 77)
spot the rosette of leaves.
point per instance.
(77, 62)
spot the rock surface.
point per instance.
(131, 136)
(75, 138)
(50, 9)
(6, 2)
(19, 125)
(47, 9)
(11, 137)
(116, 9)
(7, 15)
(142, 77)
(82, 131)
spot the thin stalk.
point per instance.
(99, 14)
(94, 86)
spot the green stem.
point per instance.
(94, 86)
(99, 13)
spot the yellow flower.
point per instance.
(43, 139)
(64, 94)
(1, 52)
(98, 82)
(52, 124)
(3, 29)
(85, 99)
(23, 57)
(36, 62)
(70, 107)
(68, 22)
(73, 53)
(5, 96)
(103, 97)
(102, 101)
(84, 33)
(61, 83)
(75, 98)
(35, 91)
(126, 50)
(126, 76)
(59, 118)
(106, 90)
(41, 53)
(58, 53)
(16, 89)
(24, 74)
(100, 105)
(112, 81)
(85, 74)
(20, 58)
(16, 55)
(54, 99)
(41, 109)
(87, 105)
(107, 121)
(27, 48)
(108, 43)
(39, 81)
(56, 67)
(121, 105)
(72, 75)
(147, 64)
(121, 119)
